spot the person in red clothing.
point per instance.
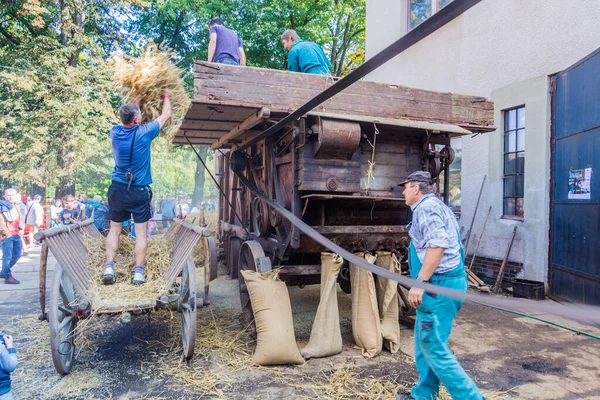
(11, 238)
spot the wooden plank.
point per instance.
(300, 270)
(250, 122)
(291, 89)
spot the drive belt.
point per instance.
(577, 312)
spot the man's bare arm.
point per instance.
(166, 111)
(242, 56)
(212, 46)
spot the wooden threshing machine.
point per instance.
(336, 167)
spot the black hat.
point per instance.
(418, 176)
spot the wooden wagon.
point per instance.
(70, 301)
(336, 168)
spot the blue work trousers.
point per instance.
(434, 360)
(11, 252)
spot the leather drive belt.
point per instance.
(582, 313)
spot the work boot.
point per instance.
(109, 275)
(138, 276)
(10, 280)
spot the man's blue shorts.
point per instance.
(124, 202)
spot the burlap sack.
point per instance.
(325, 335)
(276, 342)
(366, 327)
(387, 299)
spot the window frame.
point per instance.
(433, 8)
(518, 130)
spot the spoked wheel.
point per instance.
(252, 258)
(62, 316)
(187, 307)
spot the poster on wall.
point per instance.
(580, 184)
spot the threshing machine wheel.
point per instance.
(260, 217)
(252, 258)
(62, 316)
(187, 307)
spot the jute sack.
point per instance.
(366, 327)
(276, 343)
(387, 299)
(325, 335)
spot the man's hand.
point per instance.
(415, 296)
(8, 341)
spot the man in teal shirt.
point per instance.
(304, 56)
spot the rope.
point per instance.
(371, 170)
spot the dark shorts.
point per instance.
(124, 203)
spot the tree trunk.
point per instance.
(66, 184)
(198, 195)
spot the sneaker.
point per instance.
(2, 276)
(109, 276)
(24, 253)
(10, 280)
(138, 278)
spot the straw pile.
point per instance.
(146, 78)
(122, 294)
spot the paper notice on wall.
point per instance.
(580, 183)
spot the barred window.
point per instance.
(514, 161)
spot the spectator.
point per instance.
(22, 204)
(168, 210)
(99, 211)
(196, 208)
(34, 217)
(184, 208)
(70, 213)
(11, 234)
(8, 363)
(55, 210)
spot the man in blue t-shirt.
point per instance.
(304, 56)
(224, 47)
(129, 193)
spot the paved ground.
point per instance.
(509, 356)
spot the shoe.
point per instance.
(10, 280)
(109, 276)
(138, 278)
(24, 253)
(2, 276)
(403, 396)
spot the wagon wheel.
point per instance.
(187, 307)
(252, 258)
(233, 256)
(260, 217)
(62, 315)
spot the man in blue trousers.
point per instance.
(435, 256)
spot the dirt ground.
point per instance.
(509, 356)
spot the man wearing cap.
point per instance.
(436, 257)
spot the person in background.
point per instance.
(198, 209)
(55, 210)
(184, 208)
(8, 363)
(168, 210)
(305, 56)
(12, 244)
(34, 217)
(70, 212)
(99, 210)
(22, 204)
(224, 46)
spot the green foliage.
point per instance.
(58, 103)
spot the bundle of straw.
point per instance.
(146, 78)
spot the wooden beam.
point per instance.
(250, 122)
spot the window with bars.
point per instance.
(514, 162)
(420, 10)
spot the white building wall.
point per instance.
(503, 50)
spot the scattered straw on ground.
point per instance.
(147, 77)
(123, 294)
